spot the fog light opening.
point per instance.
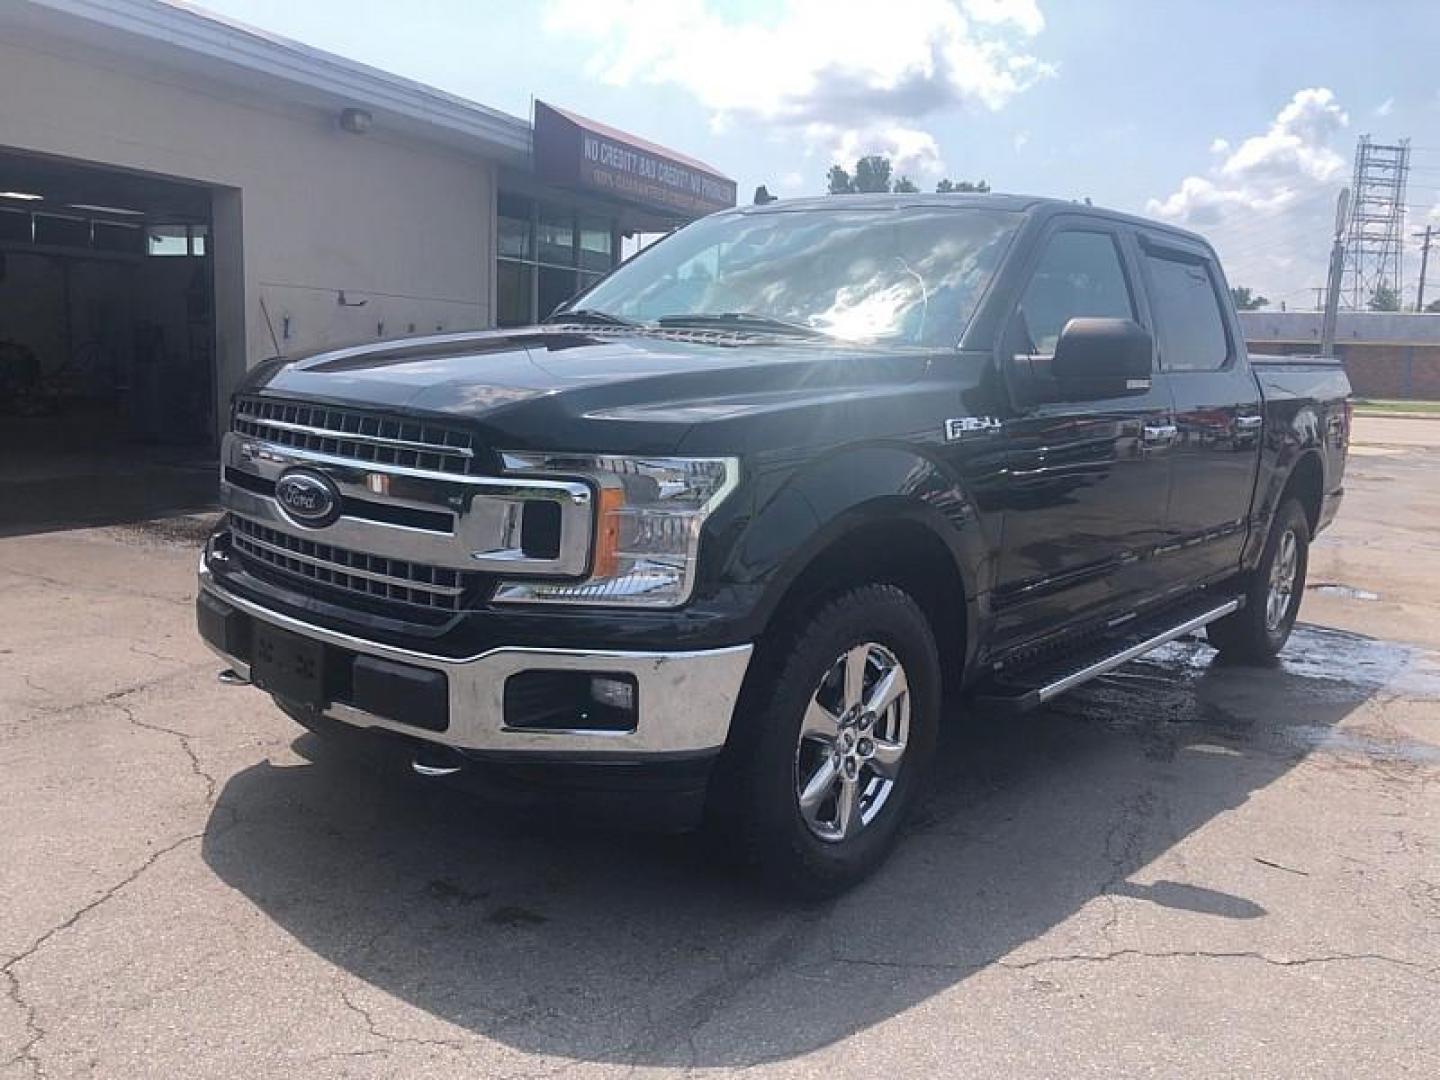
(613, 693)
(573, 701)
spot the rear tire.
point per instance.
(1259, 630)
(834, 737)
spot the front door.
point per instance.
(1217, 413)
(1087, 482)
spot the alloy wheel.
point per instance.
(852, 742)
(1282, 580)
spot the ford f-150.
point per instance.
(726, 535)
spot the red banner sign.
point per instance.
(581, 153)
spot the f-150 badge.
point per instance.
(964, 426)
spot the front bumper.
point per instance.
(684, 700)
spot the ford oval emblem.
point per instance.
(308, 498)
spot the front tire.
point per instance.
(1257, 632)
(833, 742)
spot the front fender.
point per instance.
(824, 500)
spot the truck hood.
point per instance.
(616, 390)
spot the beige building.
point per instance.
(182, 197)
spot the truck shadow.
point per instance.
(607, 947)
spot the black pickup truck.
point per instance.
(720, 538)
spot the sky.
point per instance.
(1236, 118)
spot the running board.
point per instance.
(1028, 689)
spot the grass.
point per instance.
(1378, 405)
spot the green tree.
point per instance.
(1384, 298)
(763, 196)
(872, 173)
(838, 181)
(963, 187)
(1245, 300)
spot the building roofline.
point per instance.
(178, 24)
(1405, 328)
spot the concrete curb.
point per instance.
(1384, 415)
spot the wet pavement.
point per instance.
(1184, 868)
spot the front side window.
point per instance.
(1079, 276)
(911, 275)
(1187, 314)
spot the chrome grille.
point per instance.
(356, 434)
(352, 572)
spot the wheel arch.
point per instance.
(877, 514)
(1306, 482)
(900, 549)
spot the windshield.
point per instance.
(912, 276)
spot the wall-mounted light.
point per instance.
(356, 121)
(25, 195)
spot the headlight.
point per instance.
(647, 531)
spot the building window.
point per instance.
(514, 286)
(546, 254)
(597, 239)
(176, 240)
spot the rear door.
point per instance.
(1218, 415)
(1085, 496)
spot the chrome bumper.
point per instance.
(686, 699)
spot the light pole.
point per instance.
(1337, 267)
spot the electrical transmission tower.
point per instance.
(1375, 242)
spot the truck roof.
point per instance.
(1034, 205)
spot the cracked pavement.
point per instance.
(1182, 869)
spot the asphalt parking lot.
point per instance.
(1182, 869)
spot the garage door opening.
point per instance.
(107, 346)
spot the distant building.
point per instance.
(1387, 354)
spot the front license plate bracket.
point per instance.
(289, 666)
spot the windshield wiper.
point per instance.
(588, 315)
(740, 320)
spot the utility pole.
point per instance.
(1319, 297)
(1337, 270)
(1424, 238)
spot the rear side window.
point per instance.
(1079, 275)
(1187, 314)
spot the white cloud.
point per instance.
(1386, 107)
(1297, 143)
(1268, 201)
(849, 76)
(1020, 140)
(909, 149)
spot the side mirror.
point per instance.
(1102, 358)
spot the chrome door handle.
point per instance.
(1160, 433)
